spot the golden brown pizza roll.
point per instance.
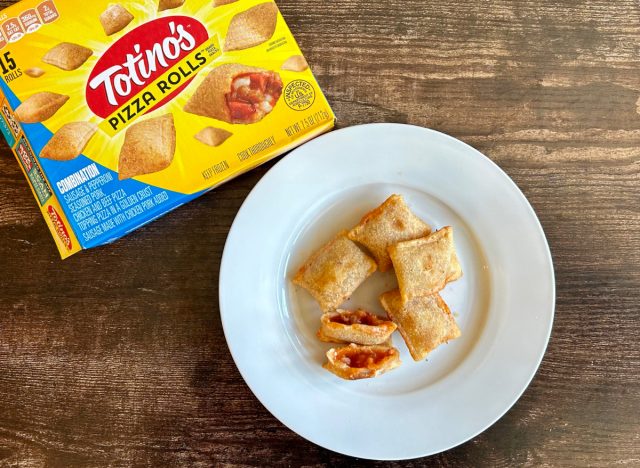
(149, 146)
(424, 266)
(354, 326)
(295, 63)
(67, 56)
(235, 93)
(213, 136)
(425, 323)
(40, 106)
(388, 224)
(361, 362)
(69, 142)
(169, 4)
(217, 3)
(334, 272)
(115, 18)
(34, 72)
(252, 27)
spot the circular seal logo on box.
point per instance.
(299, 95)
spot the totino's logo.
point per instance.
(59, 226)
(131, 77)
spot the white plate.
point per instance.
(504, 303)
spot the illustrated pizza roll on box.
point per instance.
(169, 4)
(295, 63)
(388, 224)
(34, 72)
(424, 323)
(237, 94)
(217, 3)
(334, 272)
(40, 107)
(115, 18)
(424, 266)
(67, 56)
(212, 136)
(355, 362)
(149, 146)
(252, 27)
(354, 326)
(69, 142)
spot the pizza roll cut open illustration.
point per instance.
(237, 94)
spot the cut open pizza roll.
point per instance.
(67, 56)
(424, 266)
(355, 326)
(236, 93)
(115, 18)
(252, 27)
(334, 272)
(149, 146)
(424, 323)
(355, 362)
(40, 106)
(388, 224)
(69, 142)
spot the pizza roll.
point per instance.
(424, 323)
(115, 18)
(354, 326)
(69, 142)
(169, 4)
(34, 72)
(361, 362)
(149, 146)
(334, 272)
(295, 63)
(388, 224)
(40, 106)
(217, 3)
(252, 27)
(424, 266)
(235, 93)
(67, 56)
(213, 136)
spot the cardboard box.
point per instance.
(118, 113)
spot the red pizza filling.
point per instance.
(353, 317)
(253, 95)
(364, 357)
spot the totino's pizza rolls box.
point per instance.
(120, 112)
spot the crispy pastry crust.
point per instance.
(149, 146)
(334, 272)
(69, 142)
(40, 107)
(424, 323)
(67, 56)
(388, 224)
(424, 266)
(252, 27)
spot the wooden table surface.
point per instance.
(116, 357)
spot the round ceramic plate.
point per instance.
(503, 304)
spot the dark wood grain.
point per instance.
(116, 357)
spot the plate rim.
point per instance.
(548, 260)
